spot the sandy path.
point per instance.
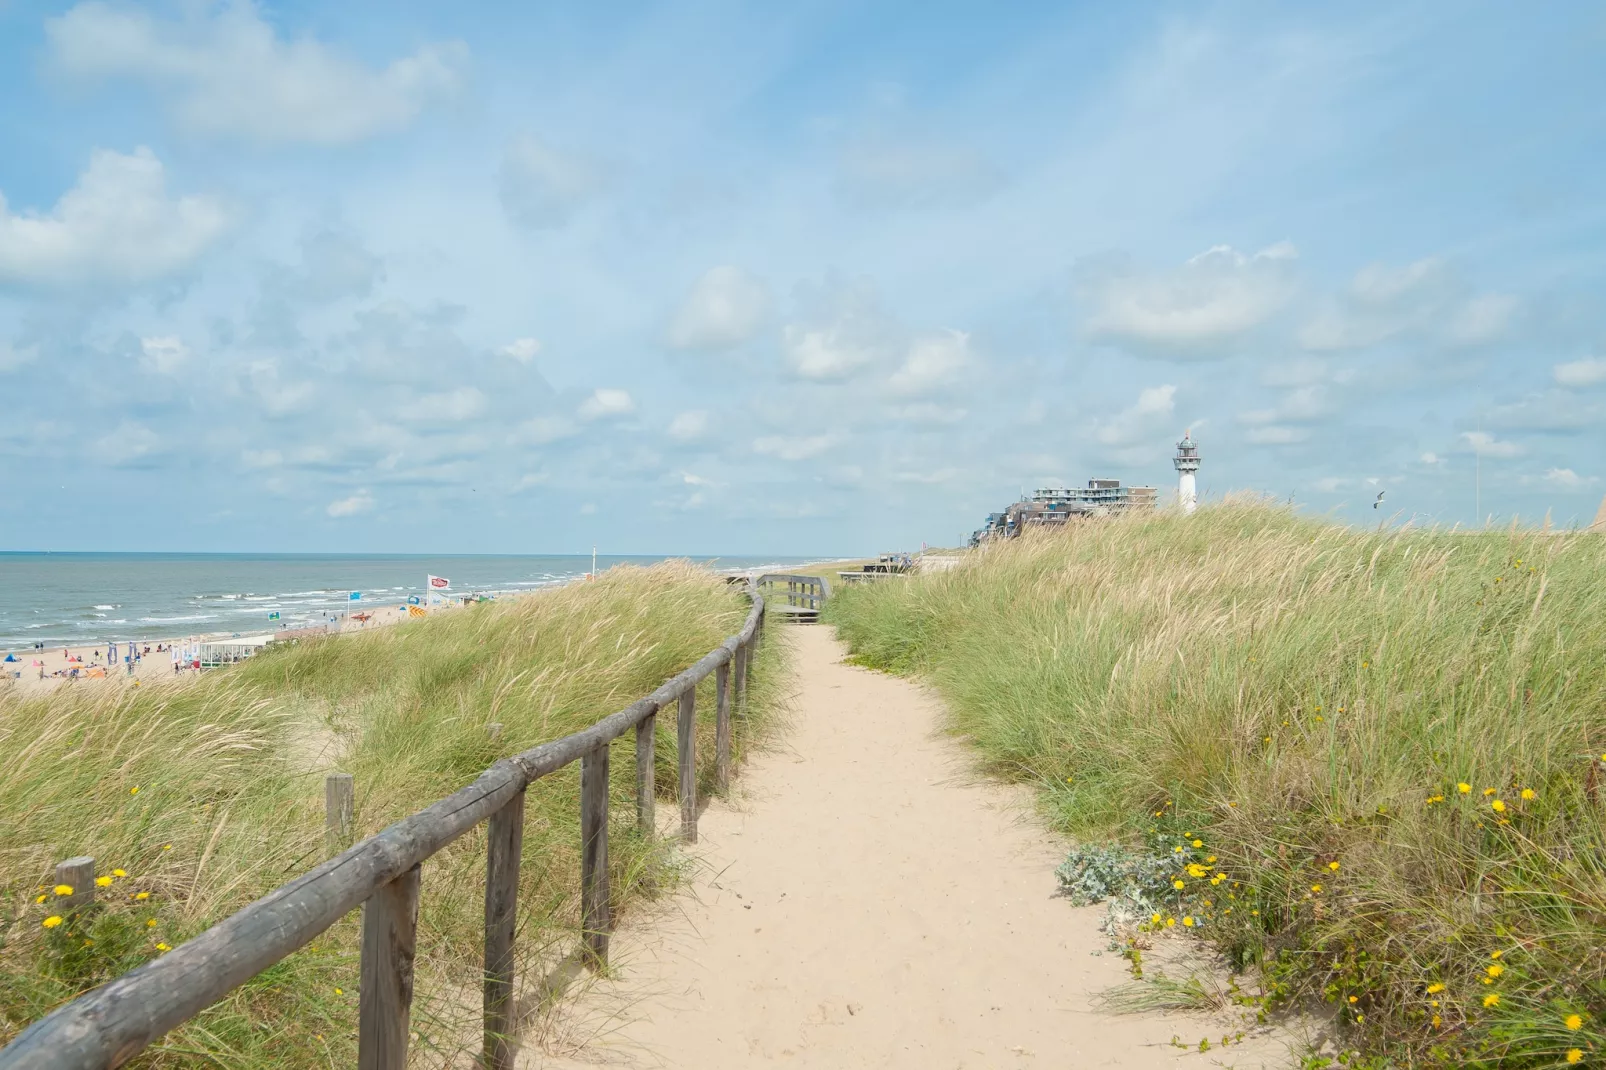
(868, 903)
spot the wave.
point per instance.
(178, 620)
(108, 607)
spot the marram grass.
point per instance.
(196, 799)
(1378, 756)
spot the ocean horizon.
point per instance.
(76, 598)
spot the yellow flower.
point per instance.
(1574, 1021)
(142, 895)
(1198, 843)
(1333, 866)
(1464, 788)
(52, 921)
(1177, 849)
(1498, 806)
(1496, 954)
(62, 889)
(1317, 888)
(1496, 970)
(103, 882)
(1196, 870)
(163, 947)
(1210, 858)
(1188, 921)
(134, 790)
(1492, 999)
(1179, 885)
(1170, 923)
(1154, 919)
(1487, 792)
(1575, 1055)
(1436, 1021)
(41, 899)
(1366, 665)
(340, 991)
(150, 923)
(1354, 999)
(1529, 793)
(1435, 988)
(167, 847)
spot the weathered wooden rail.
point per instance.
(113, 1023)
(804, 595)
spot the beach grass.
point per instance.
(196, 798)
(1376, 756)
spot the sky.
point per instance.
(813, 278)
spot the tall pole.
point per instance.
(593, 562)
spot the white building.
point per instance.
(1187, 463)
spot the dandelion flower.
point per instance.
(1435, 987)
(142, 895)
(1496, 954)
(1436, 1021)
(62, 889)
(1575, 1021)
(134, 790)
(1210, 858)
(1498, 806)
(340, 991)
(1492, 999)
(1188, 921)
(1354, 999)
(150, 923)
(1529, 793)
(1154, 919)
(1170, 923)
(119, 872)
(1198, 843)
(52, 921)
(1466, 789)
(1177, 849)
(163, 947)
(1179, 884)
(1575, 1055)
(1317, 888)
(167, 847)
(103, 882)
(1496, 970)
(41, 899)
(1333, 866)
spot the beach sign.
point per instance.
(439, 583)
(416, 611)
(355, 596)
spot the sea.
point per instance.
(68, 599)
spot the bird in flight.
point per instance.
(1379, 499)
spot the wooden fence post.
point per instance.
(339, 806)
(594, 921)
(722, 727)
(741, 677)
(504, 850)
(686, 738)
(78, 874)
(385, 1000)
(646, 769)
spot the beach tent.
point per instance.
(11, 657)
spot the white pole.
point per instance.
(593, 562)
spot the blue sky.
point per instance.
(807, 278)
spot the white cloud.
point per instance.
(1276, 435)
(1141, 420)
(605, 403)
(522, 350)
(1486, 445)
(884, 173)
(361, 502)
(451, 406)
(934, 361)
(1590, 371)
(1567, 479)
(823, 354)
(164, 356)
(15, 356)
(1431, 458)
(116, 225)
(1213, 300)
(725, 308)
(688, 426)
(541, 187)
(795, 447)
(126, 443)
(227, 72)
(1423, 299)
(543, 430)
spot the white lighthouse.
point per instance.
(1187, 462)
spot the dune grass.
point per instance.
(196, 799)
(1377, 758)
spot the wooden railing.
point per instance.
(802, 594)
(113, 1023)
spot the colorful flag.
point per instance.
(355, 595)
(274, 615)
(439, 583)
